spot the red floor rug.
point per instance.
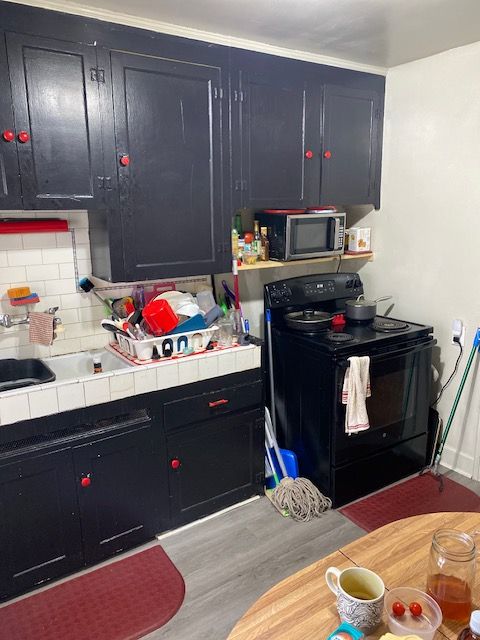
(412, 497)
(121, 601)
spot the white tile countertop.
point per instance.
(65, 395)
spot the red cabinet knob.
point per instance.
(8, 135)
(175, 463)
(218, 403)
(309, 154)
(23, 136)
(85, 482)
(327, 154)
(124, 161)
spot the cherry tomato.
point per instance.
(415, 609)
(398, 609)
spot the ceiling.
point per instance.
(380, 33)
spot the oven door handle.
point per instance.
(344, 364)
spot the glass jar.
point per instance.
(451, 573)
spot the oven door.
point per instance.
(314, 235)
(398, 407)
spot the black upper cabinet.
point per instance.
(57, 122)
(10, 194)
(272, 109)
(168, 130)
(349, 151)
(40, 533)
(161, 138)
(303, 134)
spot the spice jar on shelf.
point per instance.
(451, 573)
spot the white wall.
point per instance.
(426, 233)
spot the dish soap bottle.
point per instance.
(472, 632)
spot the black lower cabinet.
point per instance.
(40, 536)
(120, 492)
(215, 464)
(122, 472)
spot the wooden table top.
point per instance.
(303, 607)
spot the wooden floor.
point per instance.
(229, 561)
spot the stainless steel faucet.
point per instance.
(7, 321)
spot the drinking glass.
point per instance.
(225, 332)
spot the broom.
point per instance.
(443, 439)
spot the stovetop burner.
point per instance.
(338, 336)
(388, 324)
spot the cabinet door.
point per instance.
(274, 115)
(215, 464)
(350, 137)
(55, 99)
(119, 506)
(168, 128)
(40, 535)
(10, 196)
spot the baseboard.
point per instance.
(167, 534)
(458, 461)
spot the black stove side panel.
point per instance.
(303, 391)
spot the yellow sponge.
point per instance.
(18, 292)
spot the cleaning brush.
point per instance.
(87, 286)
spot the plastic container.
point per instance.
(425, 625)
(160, 317)
(250, 257)
(168, 345)
(291, 465)
(205, 300)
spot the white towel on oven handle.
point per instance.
(356, 389)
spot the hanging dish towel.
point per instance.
(41, 328)
(356, 388)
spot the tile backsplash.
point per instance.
(45, 262)
(49, 263)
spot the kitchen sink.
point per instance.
(78, 365)
(23, 373)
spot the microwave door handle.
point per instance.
(334, 233)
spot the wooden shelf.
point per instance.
(274, 264)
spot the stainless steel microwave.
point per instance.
(296, 236)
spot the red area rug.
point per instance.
(412, 497)
(121, 601)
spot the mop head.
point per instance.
(300, 498)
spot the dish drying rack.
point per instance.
(173, 344)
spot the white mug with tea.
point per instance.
(360, 594)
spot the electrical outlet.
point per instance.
(458, 332)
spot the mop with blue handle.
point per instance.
(443, 439)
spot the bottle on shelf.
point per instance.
(472, 632)
(257, 241)
(238, 224)
(265, 245)
(234, 243)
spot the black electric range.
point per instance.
(309, 369)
